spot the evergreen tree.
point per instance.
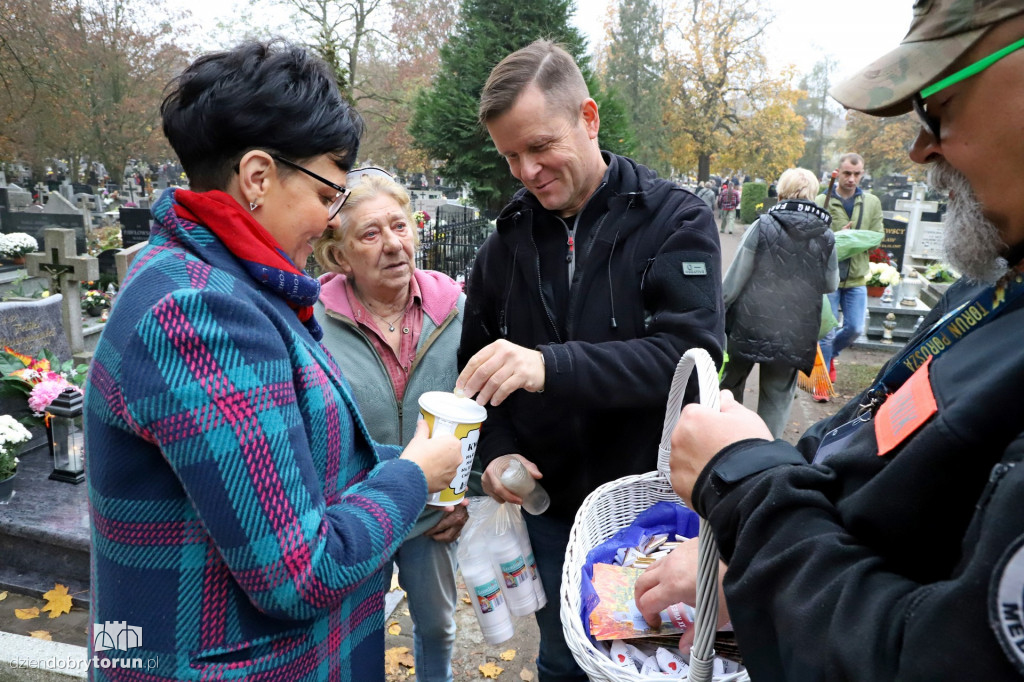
(635, 70)
(819, 112)
(445, 123)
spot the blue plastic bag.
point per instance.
(663, 517)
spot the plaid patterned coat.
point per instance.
(240, 511)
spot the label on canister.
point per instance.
(446, 413)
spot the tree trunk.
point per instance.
(703, 167)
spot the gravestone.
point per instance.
(895, 239)
(17, 198)
(135, 223)
(108, 264)
(77, 188)
(67, 270)
(35, 223)
(924, 237)
(57, 204)
(30, 326)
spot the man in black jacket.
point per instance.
(889, 543)
(598, 278)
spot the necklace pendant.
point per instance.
(391, 327)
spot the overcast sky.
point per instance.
(852, 33)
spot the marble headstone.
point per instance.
(30, 326)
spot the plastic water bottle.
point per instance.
(488, 601)
(518, 480)
(514, 574)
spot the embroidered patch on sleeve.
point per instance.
(1006, 603)
(905, 411)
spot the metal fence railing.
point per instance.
(451, 248)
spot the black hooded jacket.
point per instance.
(777, 313)
(646, 287)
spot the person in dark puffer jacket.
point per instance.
(772, 293)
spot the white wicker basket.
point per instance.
(614, 506)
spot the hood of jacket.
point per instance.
(800, 219)
(439, 293)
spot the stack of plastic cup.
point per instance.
(531, 563)
(514, 573)
(489, 605)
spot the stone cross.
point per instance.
(66, 270)
(916, 207)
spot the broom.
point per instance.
(818, 383)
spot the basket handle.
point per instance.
(707, 380)
(702, 654)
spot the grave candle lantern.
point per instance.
(67, 441)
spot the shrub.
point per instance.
(754, 193)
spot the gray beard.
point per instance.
(971, 241)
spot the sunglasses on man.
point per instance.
(931, 123)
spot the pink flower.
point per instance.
(45, 391)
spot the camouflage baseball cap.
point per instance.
(941, 31)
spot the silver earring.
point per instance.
(253, 206)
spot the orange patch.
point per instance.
(905, 411)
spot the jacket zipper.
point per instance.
(540, 291)
(380, 363)
(412, 367)
(574, 290)
(996, 475)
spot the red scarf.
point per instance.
(255, 247)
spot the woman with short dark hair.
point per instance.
(241, 513)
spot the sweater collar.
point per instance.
(437, 292)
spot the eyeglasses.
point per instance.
(339, 198)
(931, 123)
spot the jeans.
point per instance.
(549, 538)
(775, 389)
(853, 301)
(728, 220)
(426, 571)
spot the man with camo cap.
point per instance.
(888, 544)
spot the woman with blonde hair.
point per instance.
(773, 296)
(395, 331)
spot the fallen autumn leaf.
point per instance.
(58, 601)
(395, 657)
(491, 670)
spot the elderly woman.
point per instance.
(395, 331)
(242, 516)
(772, 295)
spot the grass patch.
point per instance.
(852, 378)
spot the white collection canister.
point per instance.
(447, 413)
